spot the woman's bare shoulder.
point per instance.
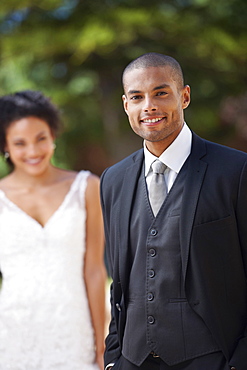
(93, 182)
(64, 175)
(92, 190)
(6, 182)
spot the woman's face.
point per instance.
(29, 142)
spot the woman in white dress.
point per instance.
(52, 305)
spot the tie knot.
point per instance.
(158, 166)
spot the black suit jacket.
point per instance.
(213, 243)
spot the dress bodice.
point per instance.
(45, 320)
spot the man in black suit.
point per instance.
(179, 292)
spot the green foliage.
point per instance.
(74, 51)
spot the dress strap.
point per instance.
(82, 185)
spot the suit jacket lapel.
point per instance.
(194, 180)
(131, 176)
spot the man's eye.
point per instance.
(161, 93)
(135, 97)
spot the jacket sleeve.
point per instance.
(112, 350)
(239, 357)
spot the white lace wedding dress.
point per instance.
(44, 315)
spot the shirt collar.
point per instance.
(175, 155)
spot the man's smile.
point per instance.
(151, 121)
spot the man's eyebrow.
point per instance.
(163, 86)
(134, 92)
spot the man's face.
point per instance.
(154, 104)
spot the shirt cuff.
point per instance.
(109, 365)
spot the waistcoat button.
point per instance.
(150, 296)
(118, 306)
(151, 273)
(153, 232)
(151, 320)
(152, 252)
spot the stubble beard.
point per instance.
(154, 135)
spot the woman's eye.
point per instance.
(161, 93)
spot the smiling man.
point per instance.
(176, 241)
(154, 101)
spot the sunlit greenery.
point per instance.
(74, 51)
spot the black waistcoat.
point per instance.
(159, 317)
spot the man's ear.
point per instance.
(186, 96)
(125, 104)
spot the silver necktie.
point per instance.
(157, 190)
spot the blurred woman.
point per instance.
(51, 248)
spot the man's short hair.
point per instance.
(156, 60)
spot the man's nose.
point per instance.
(149, 105)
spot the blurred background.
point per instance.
(75, 51)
